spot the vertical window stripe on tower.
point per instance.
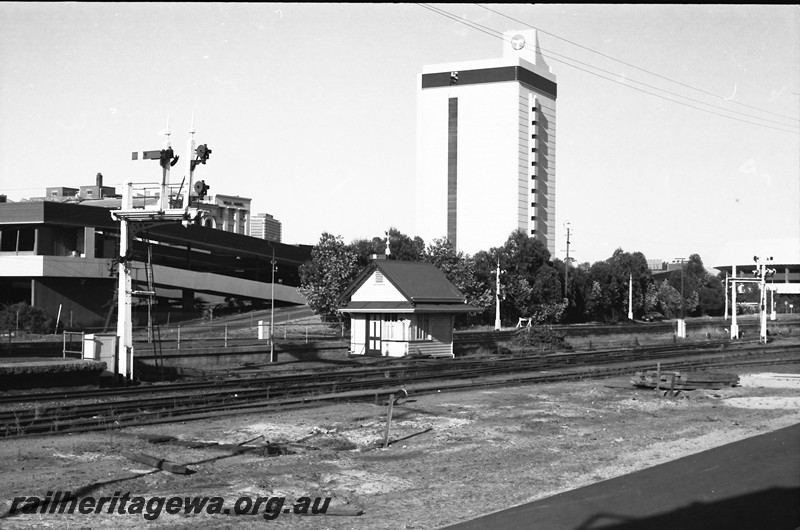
(452, 170)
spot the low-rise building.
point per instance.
(402, 308)
(60, 257)
(781, 255)
(230, 213)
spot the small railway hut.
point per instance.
(401, 308)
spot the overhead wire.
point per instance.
(637, 67)
(554, 57)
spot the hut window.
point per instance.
(392, 327)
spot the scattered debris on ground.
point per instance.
(670, 380)
(451, 456)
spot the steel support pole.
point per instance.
(734, 325)
(630, 297)
(272, 311)
(497, 299)
(124, 363)
(763, 302)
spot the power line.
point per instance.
(638, 67)
(676, 101)
(670, 93)
(496, 34)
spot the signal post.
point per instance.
(760, 276)
(168, 208)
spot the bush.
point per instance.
(26, 318)
(543, 338)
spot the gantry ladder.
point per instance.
(153, 329)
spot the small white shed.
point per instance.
(400, 308)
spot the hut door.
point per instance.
(374, 335)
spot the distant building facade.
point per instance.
(738, 259)
(59, 194)
(58, 252)
(98, 191)
(265, 226)
(227, 212)
(486, 148)
(59, 256)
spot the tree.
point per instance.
(546, 286)
(523, 255)
(669, 300)
(24, 317)
(547, 305)
(595, 309)
(606, 295)
(485, 264)
(460, 271)
(403, 247)
(712, 296)
(632, 267)
(694, 278)
(578, 289)
(613, 277)
(529, 283)
(364, 249)
(331, 269)
(651, 298)
(458, 268)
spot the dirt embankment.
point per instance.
(454, 456)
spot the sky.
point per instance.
(678, 126)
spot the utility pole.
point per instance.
(566, 263)
(682, 320)
(630, 297)
(272, 310)
(762, 272)
(497, 298)
(734, 324)
(726, 296)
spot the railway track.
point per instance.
(59, 412)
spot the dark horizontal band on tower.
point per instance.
(491, 75)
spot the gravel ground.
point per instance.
(455, 455)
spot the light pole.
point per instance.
(734, 324)
(566, 263)
(726, 296)
(773, 314)
(272, 310)
(630, 297)
(682, 320)
(497, 298)
(762, 272)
